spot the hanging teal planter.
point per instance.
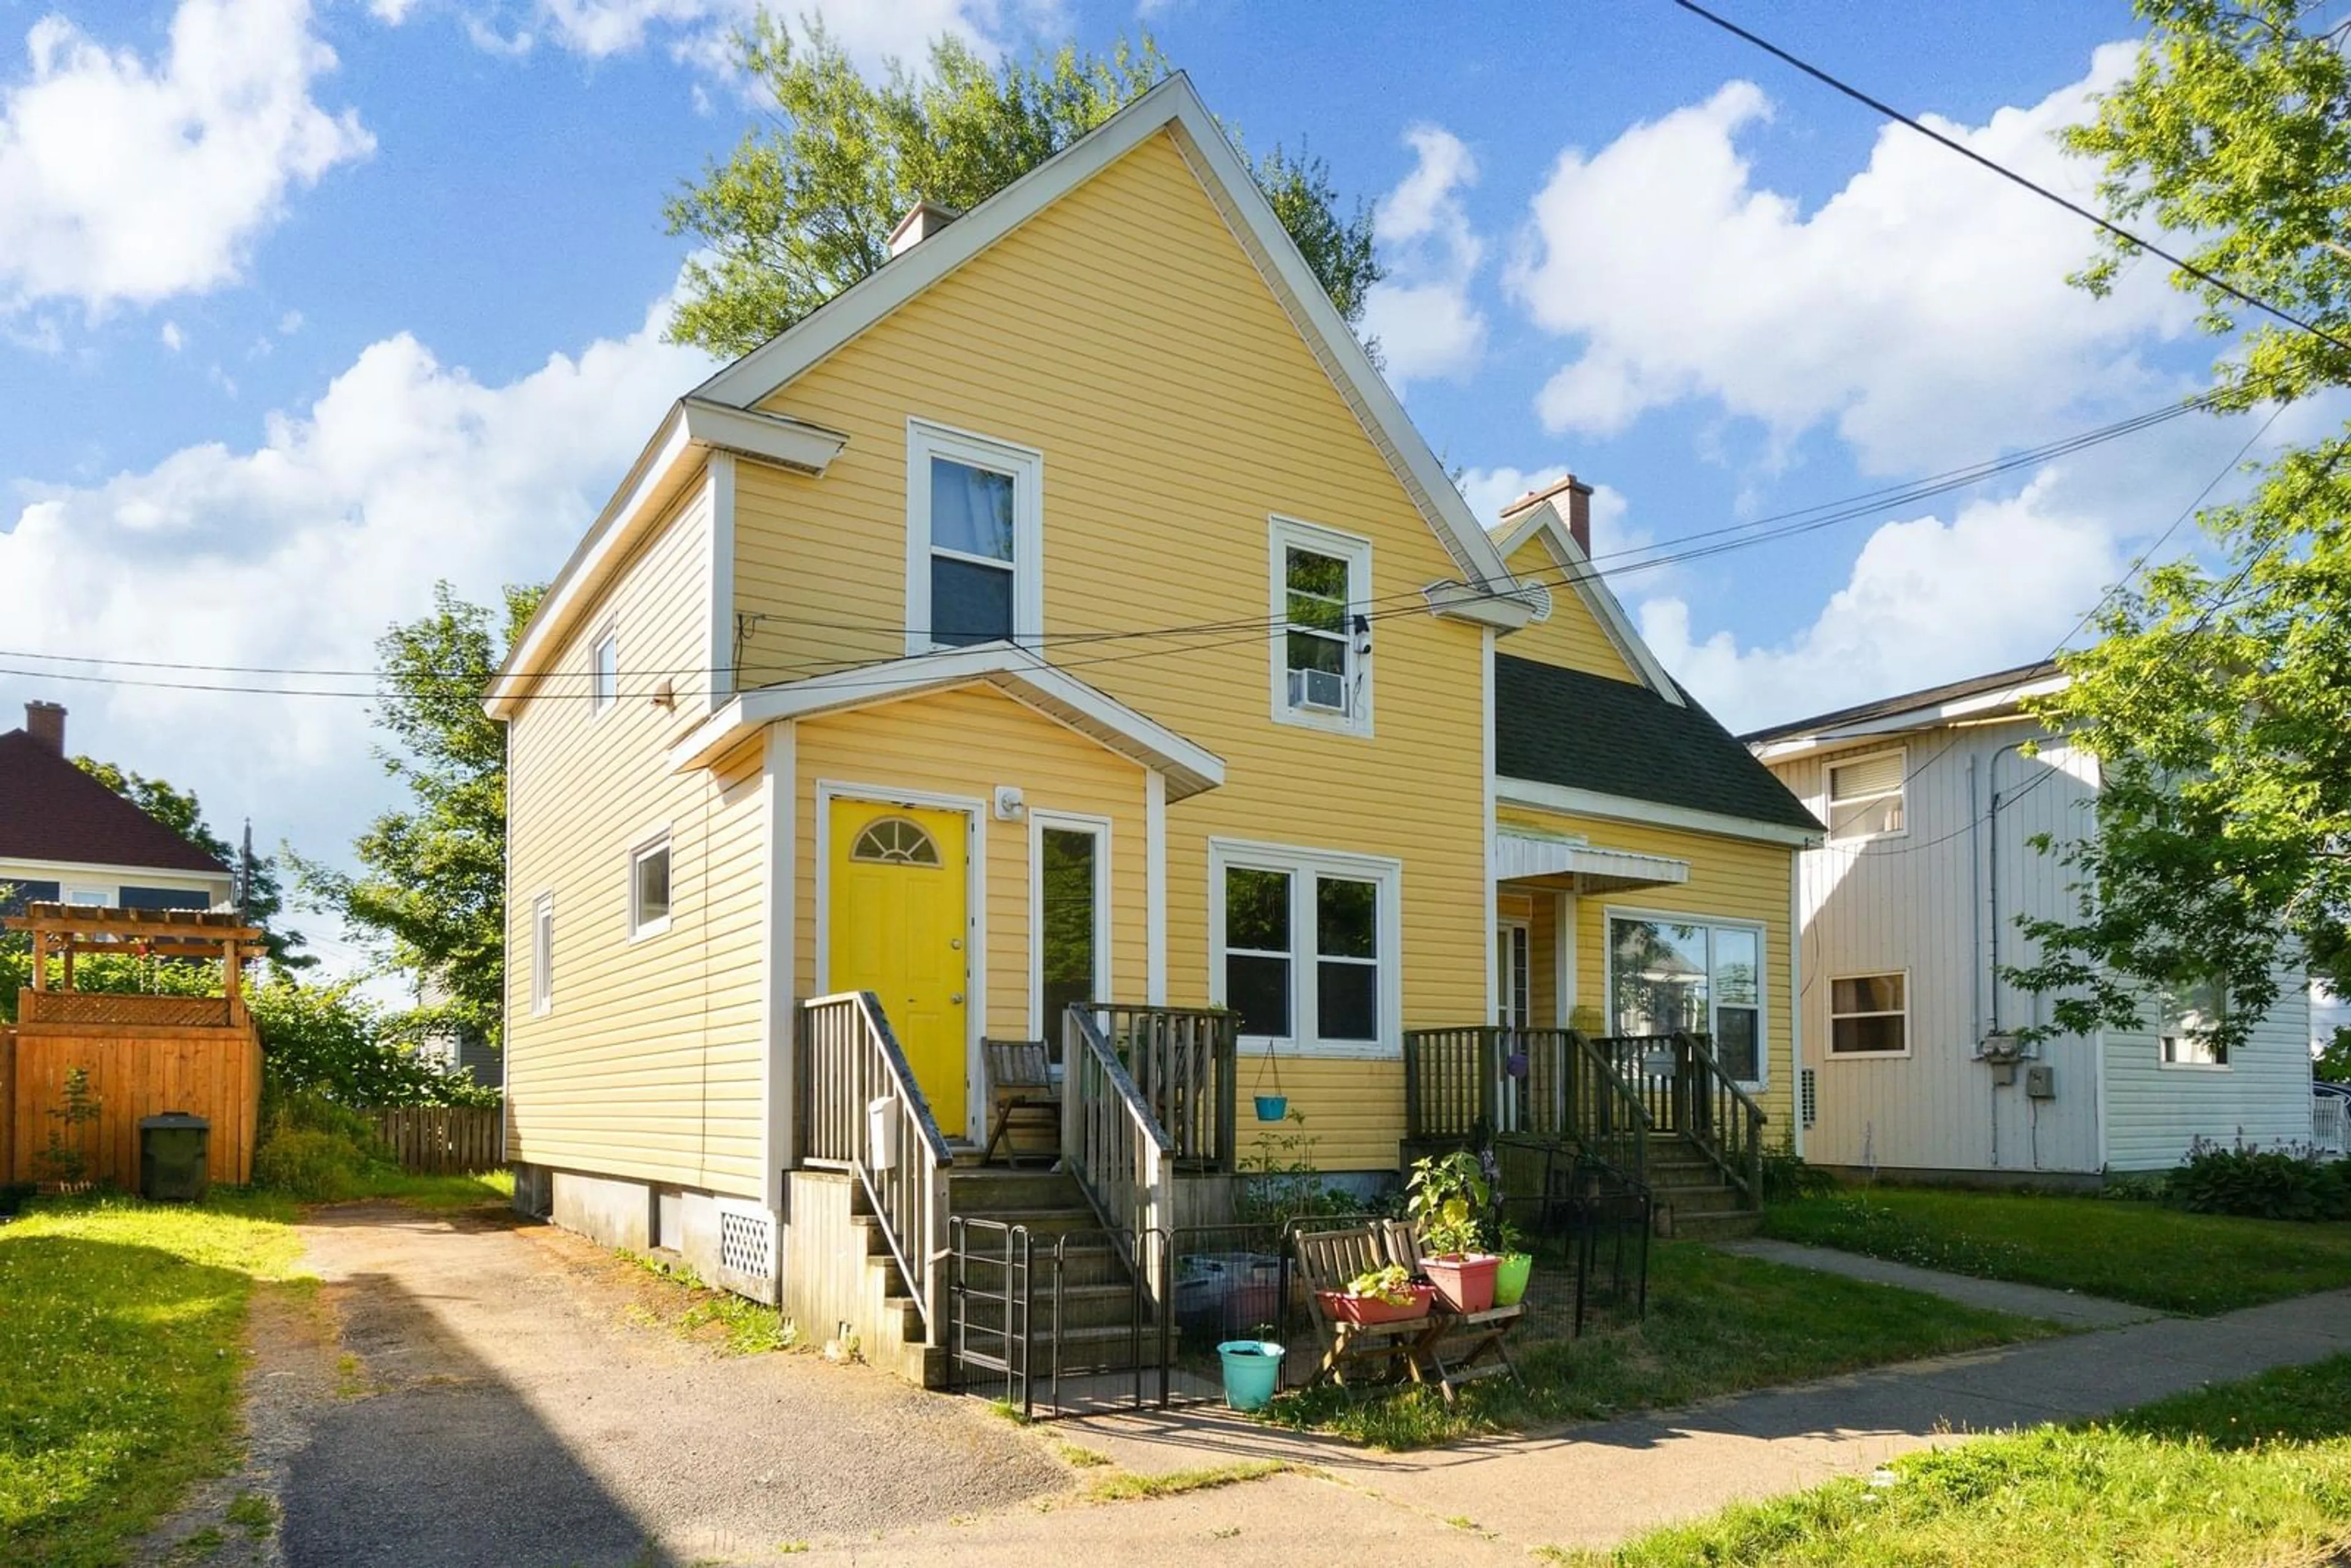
(1272, 1107)
(1253, 1371)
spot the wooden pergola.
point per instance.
(62, 931)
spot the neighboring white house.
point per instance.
(1908, 914)
(65, 838)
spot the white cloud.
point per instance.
(123, 180)
(1421, 313)
(1922, 307)
(171, 337)
(1926, 601)
(297, 551)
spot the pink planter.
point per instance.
(1340, 1307)
(1466, 1281)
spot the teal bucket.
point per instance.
(1253, 1371)
(1272, 1107)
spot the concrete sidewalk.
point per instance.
(1594, 1484)
(2064, 1307)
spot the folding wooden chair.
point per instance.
(1021, 1078)
(1327, 1260)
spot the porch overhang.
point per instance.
(1576, 865)
(1011, 669)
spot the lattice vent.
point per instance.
(1808, 1098)
(746, 1244)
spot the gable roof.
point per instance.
(52, 810)
(1977, 696)
(1593, 734)
(1544, 522)
(1174, 106)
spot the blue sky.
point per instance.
(305, 305)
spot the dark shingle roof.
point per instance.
(52, 810)
(1885, 707)
(1564, 727)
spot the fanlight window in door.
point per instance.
(897, 841)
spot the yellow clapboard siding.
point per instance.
(1572, 637)
(1733, 878)
(1124, 334)
(652, 1062)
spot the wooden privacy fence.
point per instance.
(444, 1140)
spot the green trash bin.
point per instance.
(174, 1149)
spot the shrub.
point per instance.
(1786, 1176)
(329, 1043)
(1281, 1181)
(316, 1150)
(2253, 1183)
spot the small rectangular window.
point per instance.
(1322, 584)
(1257, 950)
(604, 672)
(1865, 795)
(542, 953)
(975, 542)
(649, 890)
(2190, 1012)
(1869, 1015)
(1069, 906)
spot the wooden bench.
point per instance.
(1445, 1349)
(1020, 1077)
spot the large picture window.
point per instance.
(1666, 974)
(973, 540)
(1307, 950)
(1322, 661)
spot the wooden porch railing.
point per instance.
(1117, 1149)
(1183, 1062)
(849, 1063)
(1686, 1092)
(1550, 1085)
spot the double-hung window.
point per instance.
(975, 527)
(1323, 631)
(1666, 974)
(1307, 946)
(1866, 797)
(2191, 1012)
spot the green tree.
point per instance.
(179, 809)
(804, 206)
(430, 892)
(2219, 698)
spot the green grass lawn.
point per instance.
(1718, 1323)
(120, 1352)
(2142, 1252)
(437, 1192)
(2239, 1475)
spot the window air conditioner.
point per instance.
(1319, 689)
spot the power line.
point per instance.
(2111, 228)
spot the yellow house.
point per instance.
(1067, 614)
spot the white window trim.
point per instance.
(1040, 1026)
(599, 704)
(1901, 792)
(1829, 1049)
(1303, 865)
(1282, 533)
(542, 955)
(642, 930)
(924, 440)
(1611, 913)
(1509, 974)
(2163, 1016)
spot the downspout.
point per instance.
(1991, 861)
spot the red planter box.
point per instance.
(1341, 1307)
(1466, 1282)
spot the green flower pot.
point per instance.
(1252, 1373)
(1510, 1279)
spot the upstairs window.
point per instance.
(649, 890)
(542, 953)
(604, 671)
(2192, 1010)
(1323, 640)
(974, 540)
(1866, 797)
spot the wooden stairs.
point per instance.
(1693, 1200)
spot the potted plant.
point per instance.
(1252, 1370)
(1450, 1195)
(1518, 1264)
(1275, 1106)
(1386, 1295)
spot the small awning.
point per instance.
(1575, 862)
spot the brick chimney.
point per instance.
(45, 722)
(923, 220)
(1576, 505)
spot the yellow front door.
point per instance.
(900, 927)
